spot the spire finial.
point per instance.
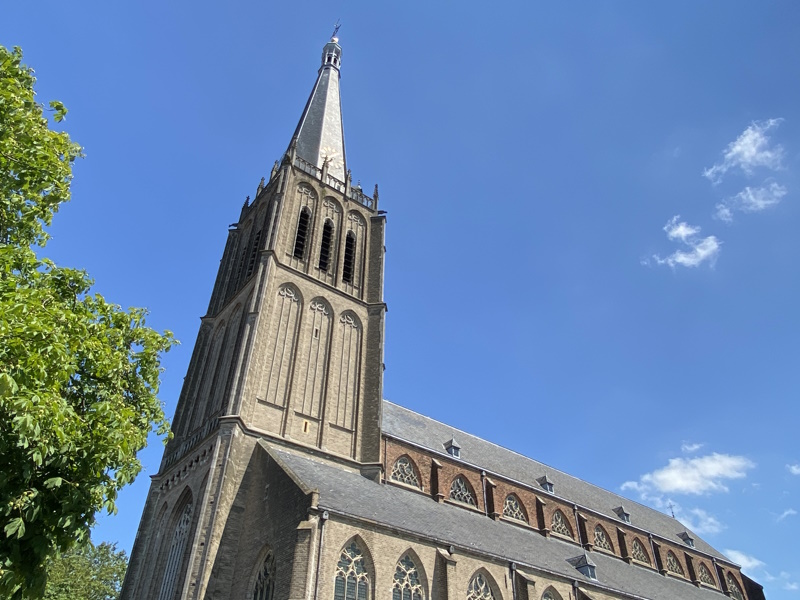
(335, 29)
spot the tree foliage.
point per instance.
(86, 572)
(79, 376)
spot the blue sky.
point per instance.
(593, 216)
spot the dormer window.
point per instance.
(687, 539)
(453, 449)
(623, 515)
(546, 484)
(585, 565)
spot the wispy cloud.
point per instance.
(699, 250)
(791, 586)
(699, 521)
(690, 448)
(789, 512)
(698, 475)
(793, 469)
(751, 150)
(750, 200)
(747, 562)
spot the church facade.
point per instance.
(290, 478)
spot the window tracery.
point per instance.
(601, 539)
(406, 584)
(479, 589)
(551, 594)
(706, 576)
(265, 580)
(560, 524)
(673, 565)
(460, 491)
(733, 587)
(513, 509)
(352, 579)
(403, 471)
(175, 556)
(639, 553)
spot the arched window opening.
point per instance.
(302, 233)
(407, 584)
(352, 579)
(560, 524)
(551, 594)
(253, 254)
(479, 588)
(349, 257)
(403, 471)
(733, 587)
(673, 564)
(265, 582)
(325, 249)
(460, 491)
(639, 553)
(175, 555)
(601, 539)
(512, 508)
(706, 576)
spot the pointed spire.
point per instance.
(319, 136)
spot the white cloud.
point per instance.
(689, 448)
(700, 249)
(752, 149)
(698, 475)
(794, 469)
(791, 586)
(789, 512)
(700, 521)
(747, 562)
(750, 200)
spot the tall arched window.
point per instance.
(352, 579)
(175, 556)
(460, 491)
(479, 588)
(560, 524)
(407, 584)
(733, 587)
(325, 247)
(301, 236)
(673, 564)
(706, 576)
(348, 269)
(265, 581)
(639, 553)
(601, 539)
(404, 472)
(512, 508)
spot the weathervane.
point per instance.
(336, 28)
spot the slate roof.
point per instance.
(346, 492)
(407, 425)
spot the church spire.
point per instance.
(319, 136)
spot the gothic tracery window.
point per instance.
(513, 509)
(175, 555)
(479, 589)
(706, 576)
(551, 594)
(673, 565)
(460, 491)
(352, 579)
(639, 553)
(560, 524)
(601, 539)
(733, 587)
(406, 584)
(265, 580)
(403, 471)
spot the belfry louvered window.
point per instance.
(733, 587)
(253, 254)
(601, 539)
(348, 269)
(352, 579)
(302, 233)
(266, 578)
(325, 248)
(460, 491)
(673, 565)
(560, 525)
(639, 553)
(407, 584)
(479, 589)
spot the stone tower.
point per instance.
(289, 351)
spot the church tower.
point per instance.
(290, 351)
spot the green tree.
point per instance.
(79, 376)
(86, 572)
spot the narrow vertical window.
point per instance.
(265, 579)
(302, 233)
(253, 254)
(349, 257)
(175, 556)
(325, 249)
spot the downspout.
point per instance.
(323, 517)
(513, 567)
